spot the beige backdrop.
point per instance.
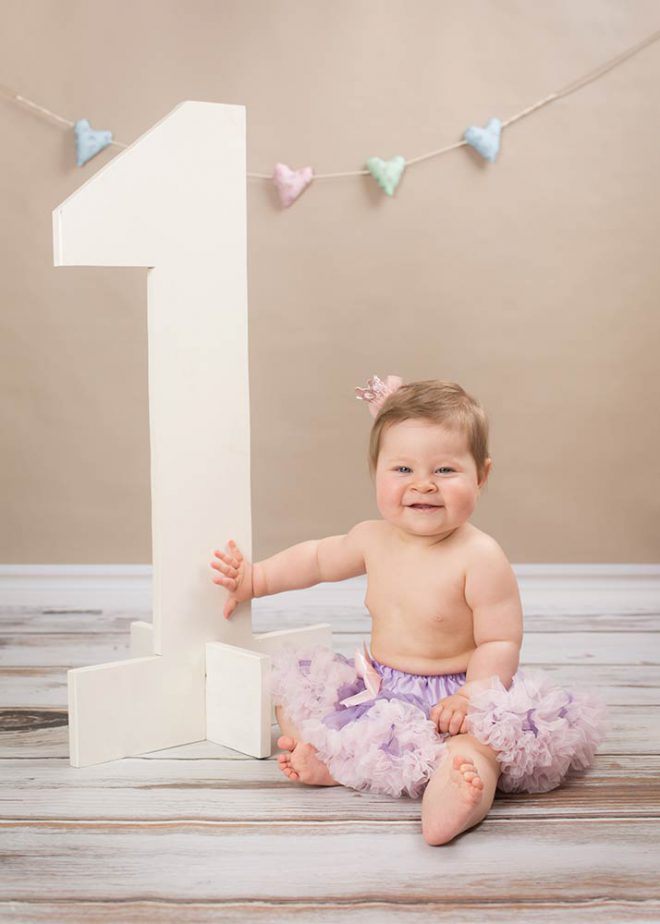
(533, 282)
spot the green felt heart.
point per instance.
(387, 173)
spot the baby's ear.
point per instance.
(488, 464)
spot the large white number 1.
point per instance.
(174, 201)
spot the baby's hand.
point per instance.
(450, 714)
(236, 576)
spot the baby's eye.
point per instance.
(443, 468)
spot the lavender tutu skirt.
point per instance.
(386, 743)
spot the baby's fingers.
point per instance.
(228, 582)
(456, 722)
(228, 559)
(443, 718)
(235, 551)
(435, 713)
(227, 569)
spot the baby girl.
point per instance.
(439, 707)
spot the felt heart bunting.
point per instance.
(88, 141)
(486, 141)
(387, 173)
(291, 183)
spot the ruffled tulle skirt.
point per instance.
(382, 739)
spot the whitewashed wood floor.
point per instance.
(200, 833)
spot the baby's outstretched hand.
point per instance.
(235, 575)
(449, 715)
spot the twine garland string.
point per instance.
(564, 91)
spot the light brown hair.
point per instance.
(441, 402)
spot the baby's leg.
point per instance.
(461, 791)
(298, 761)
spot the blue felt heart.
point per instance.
(486, 141)
(88, 141)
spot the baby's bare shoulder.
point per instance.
(368, 536)
(489, 574)
(481, 548)
(368, 531)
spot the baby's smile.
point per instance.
(425, 506)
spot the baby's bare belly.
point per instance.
(437, 658)
(424, 630)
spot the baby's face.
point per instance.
(426, 478)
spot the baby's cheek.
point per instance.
(386, 495)
(465, 500)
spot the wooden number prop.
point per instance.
(175, 202)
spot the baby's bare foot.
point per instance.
(300, 764)
(452, 799)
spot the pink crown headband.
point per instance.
(377, 391)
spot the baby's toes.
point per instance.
(284, 760)
(462, 763)
(472, 776)
(469, 771)
(289, 772)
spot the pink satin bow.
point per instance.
(369, 674)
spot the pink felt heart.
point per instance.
(291, 183)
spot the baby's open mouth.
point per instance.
(425, 506)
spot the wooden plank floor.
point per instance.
(200, 833)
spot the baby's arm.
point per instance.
(331, 559)
(303, 565)
(491, 592)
